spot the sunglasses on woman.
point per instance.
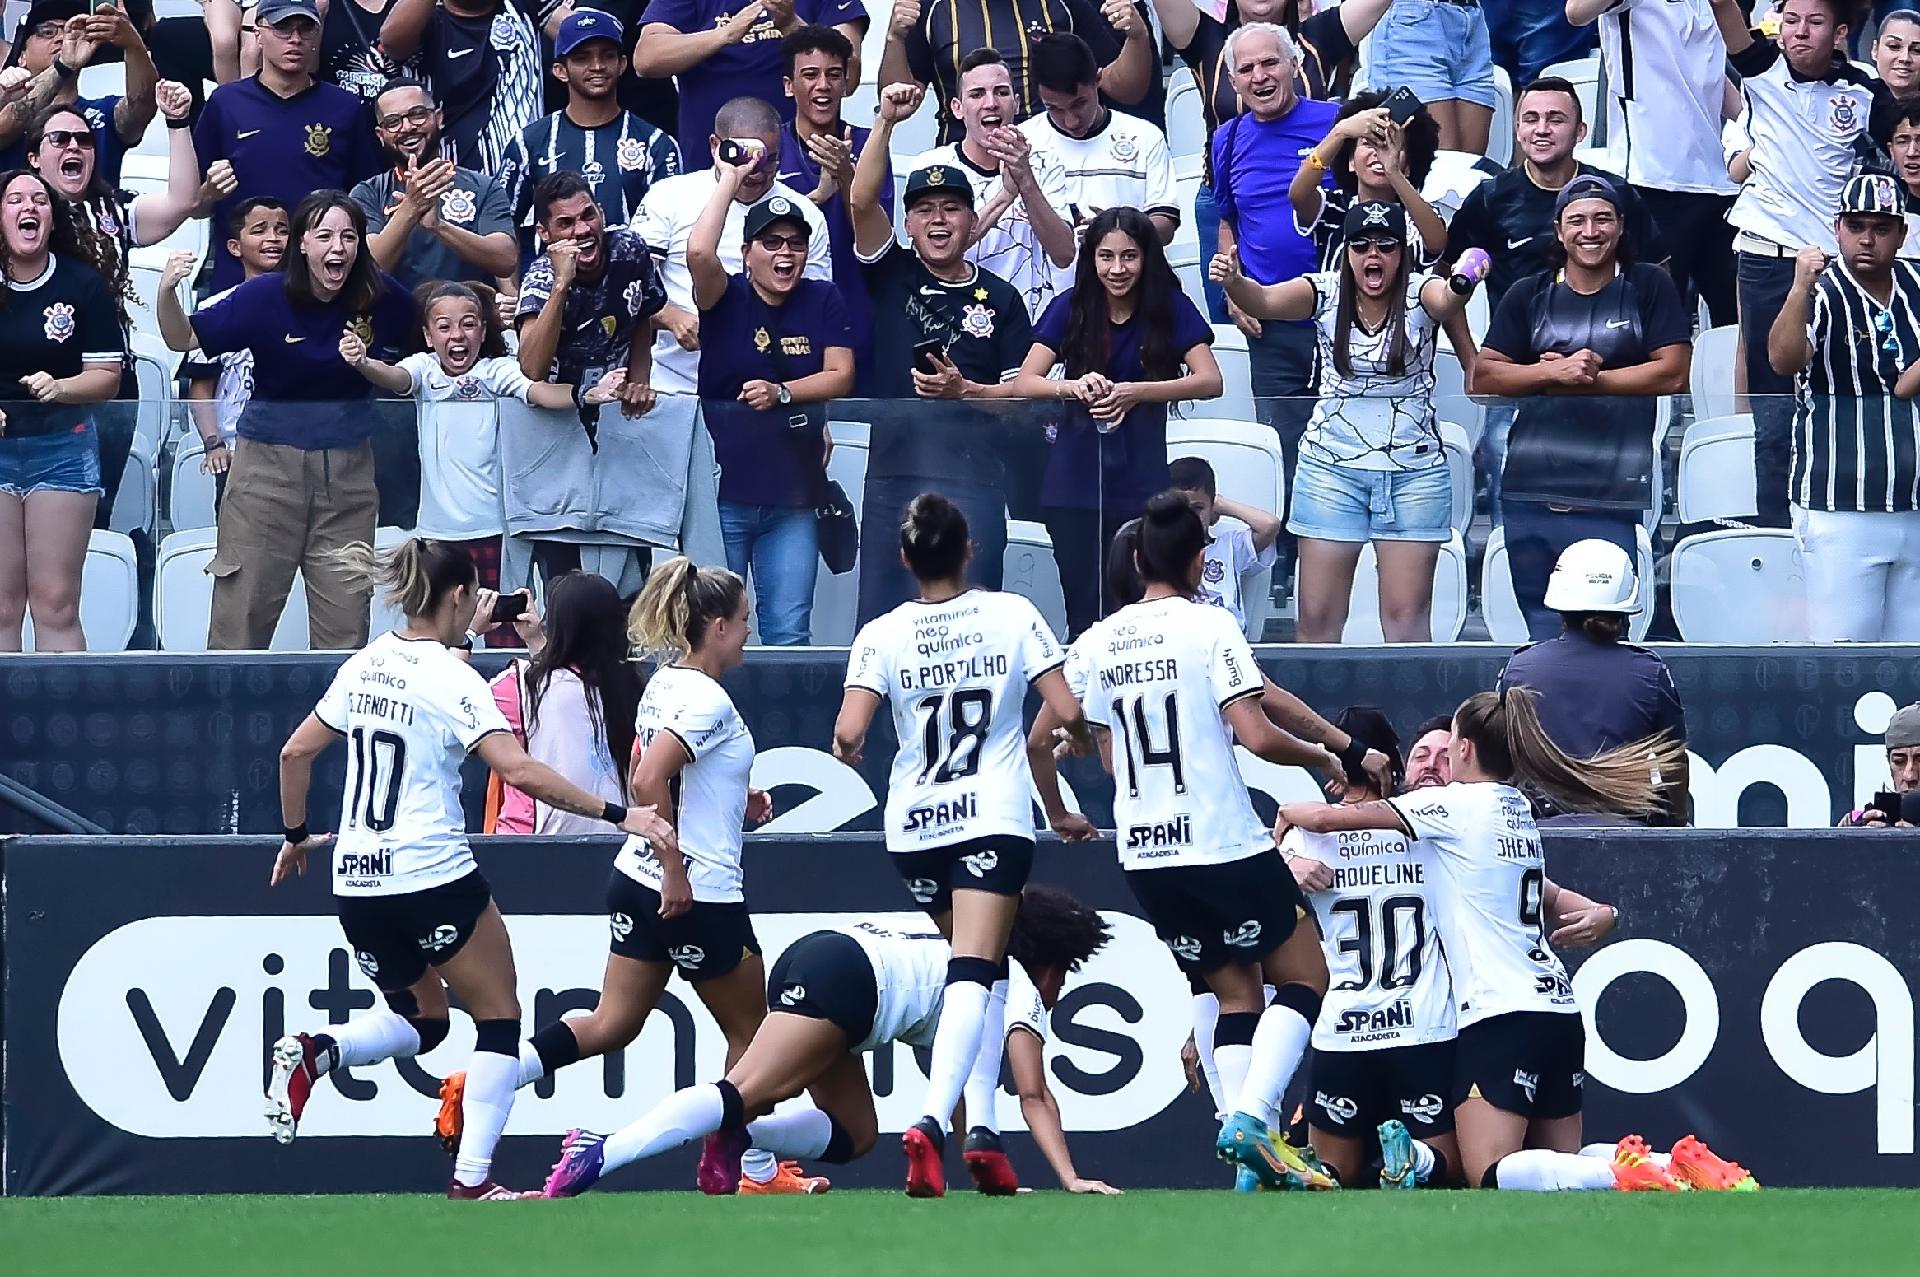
(774, 243)
(66, 137)
(1384, 243)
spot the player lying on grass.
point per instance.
(832, 996)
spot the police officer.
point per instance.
(1593, 691)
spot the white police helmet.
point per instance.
(1593, 576)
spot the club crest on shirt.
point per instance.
(59, 325)
(362, 326)
(977, 321)
(610, 324)
(762, 340)
(109, 224)
(1843, 113)
(630, 155)
(1214, 572)
(468, 387)
(634, 295)
(459, 205)
(1124, 147)
(319, 140)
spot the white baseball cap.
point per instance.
(1593, 576)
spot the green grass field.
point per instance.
(1157, 1234)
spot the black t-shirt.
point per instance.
(1512, 219)
(982, 323)
(349, 52)
(56, 324)
(946, 33)
(1589, 451)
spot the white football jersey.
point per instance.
(411, 712)
(910, 973)
(1025, 1010)
(710, 793)
(1491, 892)
(1159, 678)
(956, 674)
(1387, 980)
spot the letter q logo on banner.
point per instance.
(1697, 1035)
(1883, 1062)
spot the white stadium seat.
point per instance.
(1716, 353)
(1248, 466)
(1236, 377)
(1506, 624)
(155, 367)
(1032, 572)
(136, 507)
(1459, 452)
(1739, 586)
(1500, 132)
(183, 598)
(1186, 127)
(1716, 471)
(109, 595)
(1450, 399)
(1449, 596)
(190, 493)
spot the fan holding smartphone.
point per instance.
(1900, 805)
(1380, 150)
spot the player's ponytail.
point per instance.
(1124, 585)
(1172, 539)
(933, 538)
(678, 603)
(1511, 745)
(414, 575)
(1370, 727)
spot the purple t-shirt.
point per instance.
(774, 457)
(1253, 165)
(1121, 468)
(751, 68)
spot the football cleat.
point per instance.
(1635, 1171)
(988, 1164)
(582, 1156)
(290, 1083)
(1700, 1167)
(1277, 1164)
(485, 1191)
(1396, 1156)
(451, 1121)
(719, 1172)
(926, 1169)
(1244, 1180)
(788, 1179)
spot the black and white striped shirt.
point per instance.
(1856, 446)
(621, 161)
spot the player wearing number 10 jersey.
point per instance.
(1171, 683)
(411, 901)
(955, 664)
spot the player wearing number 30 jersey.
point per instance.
(955, 664)
(412, 903)
(1172, 683)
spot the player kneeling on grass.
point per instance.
(832, 996)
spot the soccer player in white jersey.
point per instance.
(682, 906)
(1171, 684)
(832, 996)
(1519, 1059)
(1383, 1046)
(411, 902)
(955, 665)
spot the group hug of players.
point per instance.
(1402, 932)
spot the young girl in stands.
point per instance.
(456, 382)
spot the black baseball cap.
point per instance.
(775, 208)
(1375, 217)
(1587, 186)
(938, 179)
(274, 12)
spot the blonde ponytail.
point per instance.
(1629, 780)
(677, 604)
(414, 575)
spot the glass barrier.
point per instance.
(1324, 528)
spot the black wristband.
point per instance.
(62, 70)
(1353, 761)
(296, 834)
(182, 123)
(613, 813)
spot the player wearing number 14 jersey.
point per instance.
(955, 665)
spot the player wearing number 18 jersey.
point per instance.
(955, 664)
(1172, 683)
(411, 901)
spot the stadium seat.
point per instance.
(1501, 610)
(1452, 178)
(1449, 596)
(1249, 466)
(836, 599)
(1500, 132)
(190, 493)
(155, 367)
(136, 507)
(183, 598)
(1716, 353)
(109, 595)
(1716, 471)
(1450, 399)
(1236, 377)
(1459, 452)
(1186, 128)
(1663, 413)
(1584, 75)
(1032, 572)
(1739, 586)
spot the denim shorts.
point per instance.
(1338, 503)
(64, 462)
(1440, 51)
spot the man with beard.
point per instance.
(428, 218)
(620, 154)
(1428, 762)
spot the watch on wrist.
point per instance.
(783, 395)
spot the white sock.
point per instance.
(531, 1069)
(983, 1080)
(1540, 1170)
(955, 1043)
(804, 1132)
(491, 1082)
(1423, 1162)
(373, 1037)
(1206, 1014)
(759, 1165)
(1278, 1043)
(679, 1119)
(1606, 1153)
(1232, 1061)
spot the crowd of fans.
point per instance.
(657, 226)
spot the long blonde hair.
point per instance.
(677, 604)
(1628, 780)
(414, 575)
